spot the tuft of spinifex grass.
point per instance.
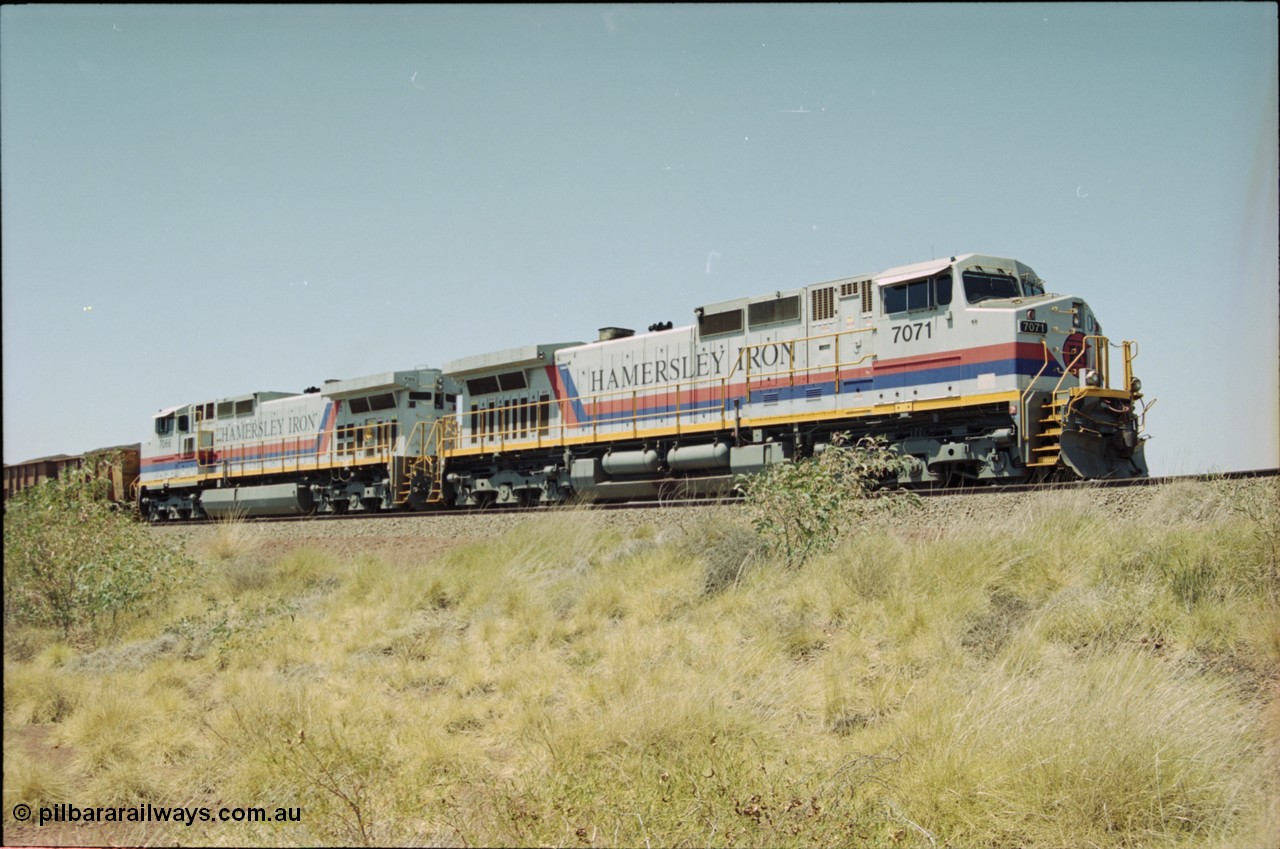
(232, 540)
(37, 782)
(1097, 750)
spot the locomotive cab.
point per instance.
(1072, 411)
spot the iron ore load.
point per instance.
(966, 366)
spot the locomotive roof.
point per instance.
(964, 262)
(246, 396)
(748, 299)
(381, 382)
(897, 274)
(509, 358)
(917, 269)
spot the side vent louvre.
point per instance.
(823, 304)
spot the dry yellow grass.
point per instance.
(1058, 678)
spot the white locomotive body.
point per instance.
(360, 444)
(965, 365)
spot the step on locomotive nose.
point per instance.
(1046, 447)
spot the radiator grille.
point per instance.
(823, 304)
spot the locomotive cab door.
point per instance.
(205, 455)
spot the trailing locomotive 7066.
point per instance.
(966, 366)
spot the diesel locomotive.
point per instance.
(966, 366)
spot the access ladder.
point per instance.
(426, 464)
(1046, 445)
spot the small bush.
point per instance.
(803, 508)
(72, 560)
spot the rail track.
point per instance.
(658, 504)
(1101, 483)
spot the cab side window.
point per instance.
(918, 294)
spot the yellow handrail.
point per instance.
(373, 444)
(1130, 354)
(1022, 402)
(791, 343)
(835, 368)
(506, 427)
(679, 410)
(1101, 360)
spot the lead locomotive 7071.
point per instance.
(965, 366)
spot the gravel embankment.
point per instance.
(934, 517)
(424, 531)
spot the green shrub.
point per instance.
(72, 560)
(803, 508)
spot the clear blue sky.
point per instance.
(204, 201)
